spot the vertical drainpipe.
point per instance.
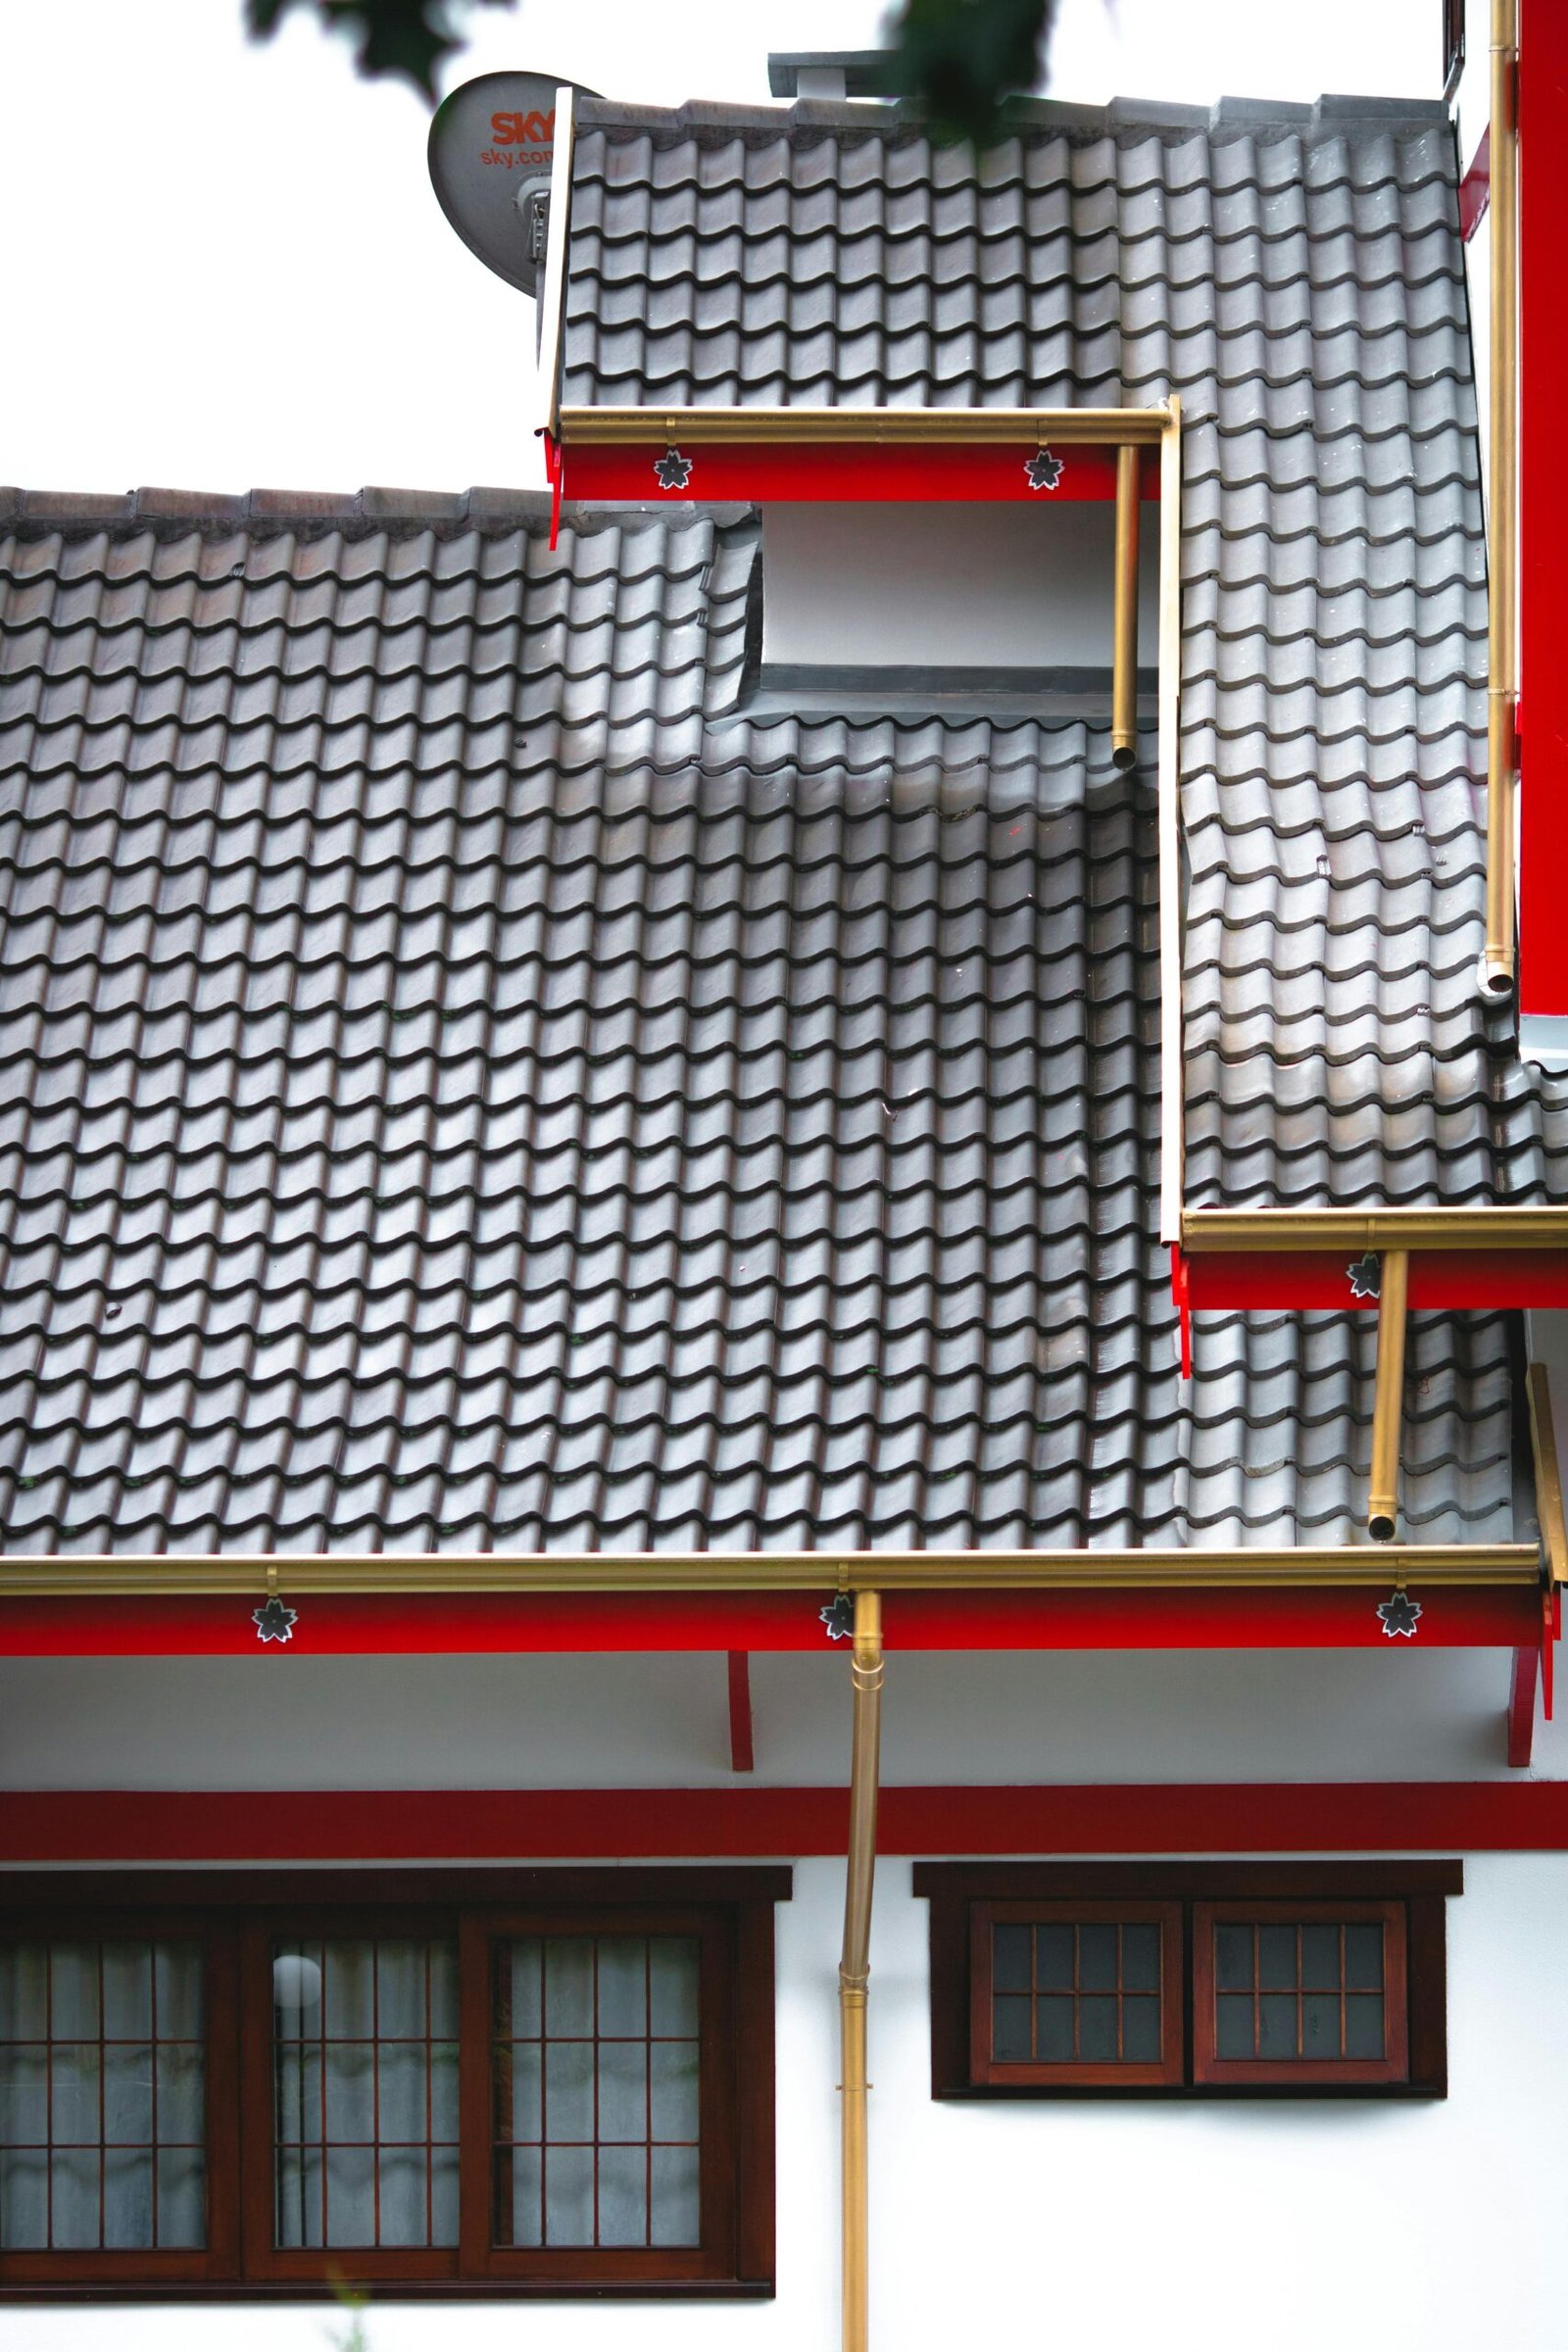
(866, 1676)
(1498, 959)
(1124, 627)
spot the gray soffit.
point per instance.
(462, 1086)
(1296, 275)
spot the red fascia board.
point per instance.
(847, 473)
(1542, 504)
(367, 1625)
(1438, 1278)
(119, 1825)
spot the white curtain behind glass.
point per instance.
(102, 2090)
(364, 2070)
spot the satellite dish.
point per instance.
(492, 145)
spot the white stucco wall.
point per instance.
(277, 1720)
(1027, 587)
(1430, 2226)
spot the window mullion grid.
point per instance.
(594, 2062)
(325, 2127)
(152, 2005)
(49, 2097)
(429, 2117)
(375, 2087)
(103, 2100)
(1120, 2051)
(543, 2087)
(648, 2091)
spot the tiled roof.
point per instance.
(456, 1094)
(1296, 275)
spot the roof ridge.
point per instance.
(1226, 117)
(358, 513)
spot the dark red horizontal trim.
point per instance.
(985, 473)
(1438, 1278)
(122, 1826)
(429, 1624)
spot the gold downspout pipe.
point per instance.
(1388, 1405)
(1124, 672)
(1548, 1476)
(1498, 959)
(865, 1675)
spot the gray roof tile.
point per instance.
(1295, 275)
(598, 1130)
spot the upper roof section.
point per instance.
(834, 254)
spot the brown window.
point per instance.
(1186, 1980)
(1453, 45)
(1076, 1993)
(546, 2083)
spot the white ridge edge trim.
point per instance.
(552, 295)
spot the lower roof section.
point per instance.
(461, 1094)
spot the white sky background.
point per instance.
(224, 264)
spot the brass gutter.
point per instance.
(1124, 657)
(1502, 750)
(1222, 1230)
(1549, 1479)
(1072, 427)
(132, 1576)
(1388, 1404)
(854, 1965)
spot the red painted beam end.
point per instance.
(1522, 1707)
(742, 1749)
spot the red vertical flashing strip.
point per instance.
(1181, 1289)
(554, 474)
(742, 1749)
(1542, 502)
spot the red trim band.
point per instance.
(456, 1825)
(475, 1624)
(983, 473)
(1438, 1278)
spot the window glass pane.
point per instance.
(1097, 2029)
(1011, 1957)
(675, 2219)
(1320, 2025)
(1010, 2025)
(363, 2095)
(1320, 1957)
(90, 2034)
(1233, 1958)
(1277, 2026)
(1097, 1993)
(1363, 1955)
(1055, 2023)
(1140, 1958)
(596, 2080)
(1363, 2024)
(1096, 1959)
(1276, 1959)
(1337, 2013)
(1054, 1959)
(1234, 2026)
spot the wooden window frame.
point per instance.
(1412, 1893)
(1078, 2073)
(1208, 2067)
(237, 1917)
